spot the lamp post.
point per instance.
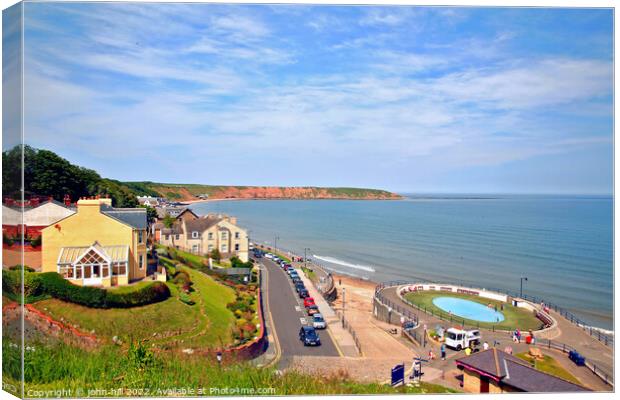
(275, 243)
(343, 304)
(305, 257)
(523, 278)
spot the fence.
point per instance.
(608, 340)
(350, 329)
(606, 376)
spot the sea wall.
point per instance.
(452, 289)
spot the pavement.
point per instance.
(288, 314)
(341, 336)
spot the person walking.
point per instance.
(518, 335)
(443, 351)
(485, 346)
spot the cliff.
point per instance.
(190, 192)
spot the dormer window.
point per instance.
(194, 235)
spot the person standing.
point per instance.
(485, 346)
(443, 351)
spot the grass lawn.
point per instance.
(550, 366)
(129, 288)
(514, 317)
(208, 323)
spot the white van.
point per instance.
(459, 339)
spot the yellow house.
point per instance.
(97, 246)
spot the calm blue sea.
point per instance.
(562, 244)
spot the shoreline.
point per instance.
(190, 202)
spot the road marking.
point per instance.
(303, 321)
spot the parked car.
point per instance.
(269, 256)
(303, 293)
(308, 301)
(296, 280)
(318, 321)
(313, 309)
(299, 286)
(309, 337)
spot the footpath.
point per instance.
(343, 339)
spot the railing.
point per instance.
(351, 330)
(606, 376)
(608, 340)
(406, 313)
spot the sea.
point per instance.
(562, 244)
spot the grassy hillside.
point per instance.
(111, 371)
(207, 323)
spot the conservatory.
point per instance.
(95, 265)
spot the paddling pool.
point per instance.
(468, 309)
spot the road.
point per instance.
(288, 314)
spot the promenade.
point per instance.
(565, 332)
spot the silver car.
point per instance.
(318, 322)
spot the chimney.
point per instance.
(91, 205)
(34, 201)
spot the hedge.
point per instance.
(54, 285)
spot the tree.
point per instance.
(215, 255)
(151, 213)
(168, 221)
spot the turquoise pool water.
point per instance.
(468, 309)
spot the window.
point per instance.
(141, 262)
(224, 248)
(236, 246)
(237, 235)
(140, 236)
(210, 236)
(176, 237)
(224, 235)
(194, 235)
(210, 247)
(167, 237)
(195, 249)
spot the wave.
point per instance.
(344, 263)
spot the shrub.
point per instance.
(152, 293)
(236, 262)
(19, 267)
(215, 255)
(54, 285)
(11, 284)
(11, 281)
(36, 242)
(7, 240)
(58, 287)
(186, 299)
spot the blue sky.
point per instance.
(401, 98)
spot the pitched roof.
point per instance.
(513, 371)
(117, 253)
(163, 211)
(134, 217)
(202, 224)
